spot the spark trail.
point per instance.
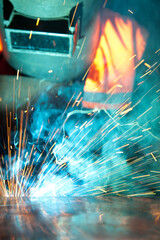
(56, 148)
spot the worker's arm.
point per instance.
(110, 80)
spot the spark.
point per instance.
(39, 133)
(55, 134)
(81, 47)
(74, 14)
(142, 176)
(83, 124)
(111, 166)
(37, 23)
(147, 129)
(135, 138)
(30, 36)
(140, 83)
(155, 119)
(146, 74)
(116, 139)
(154, 69)
(126, 111)
(157, 51)
(132, 57)
(130, 11)
(154, 157)
(86, 73)
(19, 89)
(111, 90)
(152, 183)
(147, 65)
(17, 74)
(126, 145)
(142, 149)
(76, 101)
(144, 113)
(142, 194)
(104, 5)
(139, 64)
(100, 217)
(155, 172)
(25, 130)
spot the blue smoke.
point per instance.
(73, 151)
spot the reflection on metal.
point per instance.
(80, 218)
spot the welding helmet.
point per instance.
(53, 39)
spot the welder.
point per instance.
(72, 45)
(61, 40)
(71, 41)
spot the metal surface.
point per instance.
(80, 218)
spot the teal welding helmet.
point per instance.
(50, 39)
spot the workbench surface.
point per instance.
(80, 218)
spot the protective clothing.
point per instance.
(110, 80)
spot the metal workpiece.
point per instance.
(80, 218)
